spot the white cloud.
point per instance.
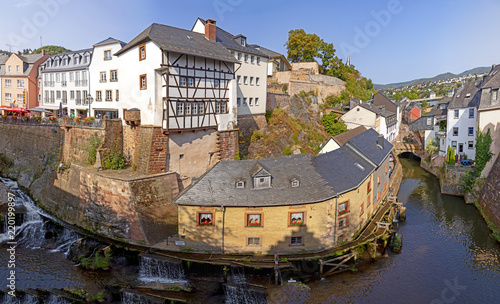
(23, 3)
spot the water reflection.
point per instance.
(447, 252)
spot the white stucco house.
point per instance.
(104, 79)
(461, 129)
(377, 117)
(251, 70)
(65, 82)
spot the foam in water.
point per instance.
(129, 298)
(153, 270)
(65, 240)
(53, 299)
(240, 293)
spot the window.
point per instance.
(456, 114)
(256, 101)
(20, 83)
(253, 241)
(194, 108)
(454, 144)
(109, 95)
(296, 219)
(471, 131)
(246, 57)
(238, 101)
(71, 94)
(18, 68)
(142, 52)
(117, 95)
(8, 83)
(143, 82)
(20, 98)
(190, 82)
(494, 94)
(239, 79)
(257, 81)
(258, 60)
(103, 77)
(182, 81)
(205, 219)
(455, 131)
(98, 96)
(296, 241)
(368, 200)
(180, 108)
(471, 113)
(343, 207)
(217, 107)
(244, 101)
(343, 222)
(361, 209)
(216, 83)
(429, 121)
(187, 108)
(240, 184)
(254, 220)
(71, 76)
(113, 75)
(295, 183)
(58, 77)
(250, 101)
(378, 180)
(245, 79)
(9, 68)
(251, 80)
(243, 43)
(471, 145)
(107, 55)
(252, 59)
(39, 97)
(58, 94)
(8, 97)
(239, 56)
(200, 107)
(262, 182)
(369, 187)
(75, 60)
(86, 59)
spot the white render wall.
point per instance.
(99, 65)
(359, 116)
(131, 96)
(70, 86)
(463, 122)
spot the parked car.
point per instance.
(466, 162)
(390, 171)
(391, 158)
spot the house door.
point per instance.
(460, 148)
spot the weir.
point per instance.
(155, 270)
(238, 291)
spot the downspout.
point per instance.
(223, 222)
(335, 224)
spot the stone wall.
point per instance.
(276, 100)
(247, 124)
(489, 198)
(227, 142)
(321, 90)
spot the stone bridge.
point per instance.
(402, 147)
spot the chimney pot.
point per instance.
(18, 52)
(210, 29)
(43, 52)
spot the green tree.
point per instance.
(51, 49)
(432, 145)
(333, 126)
(302, 47)
(483, 151)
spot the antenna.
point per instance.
(10, 47)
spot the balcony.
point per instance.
(77, 83)
(84, 83)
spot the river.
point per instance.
(448, 256)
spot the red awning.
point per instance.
(19, 110)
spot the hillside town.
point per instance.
(138, 143)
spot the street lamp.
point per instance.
(90, 99)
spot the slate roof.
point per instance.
(421, 124)
(3, 59)
(377, 110)
(218, 186)
(491, 82)
(367, 144)
(109, 41)
(342, 138)
(70, 65)
(460, 99)
(339, 169)
(268, 52)
(29, 61)
(182, 41)
(228, 40)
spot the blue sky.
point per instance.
(389, 40)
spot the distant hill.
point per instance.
(435, 78)
(51, 49)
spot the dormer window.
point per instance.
(243, 41)
(240, 184)
(295, 183)
(262, 182)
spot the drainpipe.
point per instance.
(223, 221)
(335, 224)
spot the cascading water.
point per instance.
(25, 299)
(153, 270)
(128, 298)
(237, 290)
(53, 299)
(65, 240)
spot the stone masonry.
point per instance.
(489, 198)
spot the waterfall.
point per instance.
(153, 270)
(25, 299)
(239, 292)
(31, 231)
(128, 298)
(53, 299)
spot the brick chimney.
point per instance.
(43, 52)
(18, 52)
(210, 29)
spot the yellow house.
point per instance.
(278, 205)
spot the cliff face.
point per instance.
(489, 198)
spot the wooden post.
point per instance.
(276, 268)
(321, 268)
(225, 269)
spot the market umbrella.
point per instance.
(37, 109)
(19, 110)
(60, 110)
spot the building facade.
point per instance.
(65, 83)
(251, 71)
